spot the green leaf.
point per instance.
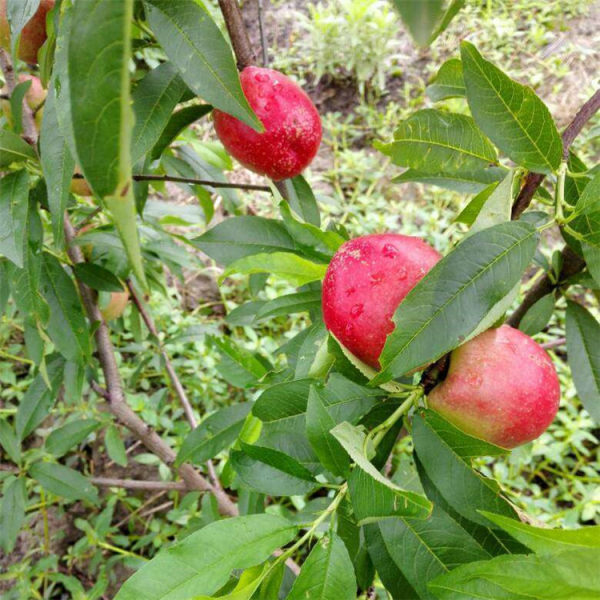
(591, 254)
(9, 442)
(465, 182)
(498, 205)
(583, 350)
(421, 18)
(14, 206)
(290, 304)
(510, 114)
(195, 45)
(434, 141)
(97, 277)
(302, 200)
(271, 472)
(66, 326)
(13, 149)
(492, 540)
(567, 575)
(115, 447)
(285, 265)
(64, 482)
(178, 121)
(238, 366)
(586, 215)
(420, 549)
(283, 400)
(446, 307)
(327, 573)
(61, 440)
(99, 50)
(469, 213)
(202, 562)
(247, 584)
(466, 491)
(57, 164)
(12, 513)
(16, 105)
(18, 13)
(374, 495)
(318, 425)
(448, 82)
(216, 432)
(538, 316)
(547, 541)
(238, 237)
(38, 399)
(154, 99)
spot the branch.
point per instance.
(554, 343)
(237, 33)
(114, 389)
(134, 484)
(30, 134)
(177, 387)
(534, 180)
(572, 264)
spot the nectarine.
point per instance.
(365, 282)
(501, 387)
(292, 126)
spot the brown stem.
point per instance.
(534, 180)
(114, 388)
(554, 343)
(134, 484)
(30, 134)
(572, 264)
(177, 386)
(237, 33)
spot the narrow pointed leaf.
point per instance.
(64, 482)
(14, 206)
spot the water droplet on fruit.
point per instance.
(261, 77)
(269, 106)
(356, 310)
(389, 251)
(348, 330)
(402, 273)
(377, 278)
(350, 291)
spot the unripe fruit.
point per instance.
(35, 96)
(501, 387)
(365, 282)
(33, 34)
(292, 126)
(116, 305)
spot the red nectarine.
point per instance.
(501, 387)
(33, 34)
(292, 126)
(365, 282)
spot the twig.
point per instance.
(572, 264)
(237, 33)
(263, 40)
(135, 484)
(30, 134)
(554, 343)
(177, 386)
(192, 180)
(114, 388)
(534, 180)
(156, 509)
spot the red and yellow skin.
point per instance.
(501, 387)
(33, 34)
(35, 95)
(365, 282)
(292, 125)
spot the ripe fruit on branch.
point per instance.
(33, 34)
(501, 387)
(292, 126)
(365, 282)
(35, 96)
(79, 185)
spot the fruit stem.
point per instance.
(378, 433)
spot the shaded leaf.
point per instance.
(14, 206)
(448, 82)
(61, 440)
(12, 512)
(13, 149)
(64, 482)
